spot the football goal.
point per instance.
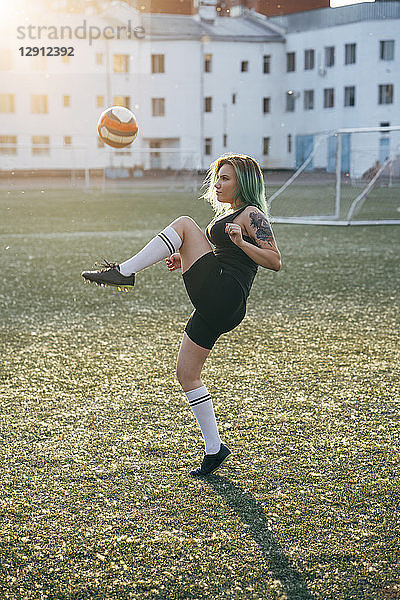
(343, 177)
(93, 167)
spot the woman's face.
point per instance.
(226, 184)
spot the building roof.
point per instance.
(246, 28)
(249, 27)
(333, 17)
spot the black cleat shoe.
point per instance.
(212, 462)
(109, 274)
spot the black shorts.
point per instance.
(218, 298)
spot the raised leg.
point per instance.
(194, 242)
(183, 235)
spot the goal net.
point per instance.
(103, 168)
(42, 165)
(344, 177)
(154, 167)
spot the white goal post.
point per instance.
(345, 177)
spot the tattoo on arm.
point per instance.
(263, 230)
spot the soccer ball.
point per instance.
(117, 126)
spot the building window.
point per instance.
(207, 146)
(99, 58)
(290, 61)
(6, 59)
(244, 67)
(266, 146)
(329, 56)
(38, 63)
(329, 97)
(290, 101)
(7, 103)
(289, 143)
(66, 101)
(308, 99)
(8, 144)
(234, 98)
(266, 105)
(121, 101)
(349, 54)
(121, 63)
(67, 140)
(350, 95)
(225, 140)
(157, 63)
(309, 60)
(267, 63)
(386, 93)
(386, 49)
(158, 107)
(207, 63)
(99, 101)
(208, 104)
(39, 104)
(40, 144)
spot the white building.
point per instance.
(198, 86)
(342, 71)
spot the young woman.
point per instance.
(218, 281)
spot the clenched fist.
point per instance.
(235, 233)
(174, 262)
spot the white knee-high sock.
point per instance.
(163, 245)
(202, 407)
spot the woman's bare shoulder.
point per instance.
(250, 209)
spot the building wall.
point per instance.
(272, 7)
(184, 85)
(284, 7)
(177, 7)
(265, 7)
(243, 121)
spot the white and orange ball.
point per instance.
(117, 126)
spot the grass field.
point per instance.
(97, 437)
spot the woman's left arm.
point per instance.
(265, 253)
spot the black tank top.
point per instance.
(231, 257)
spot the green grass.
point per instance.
(97, 437)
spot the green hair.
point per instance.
(250, 190)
